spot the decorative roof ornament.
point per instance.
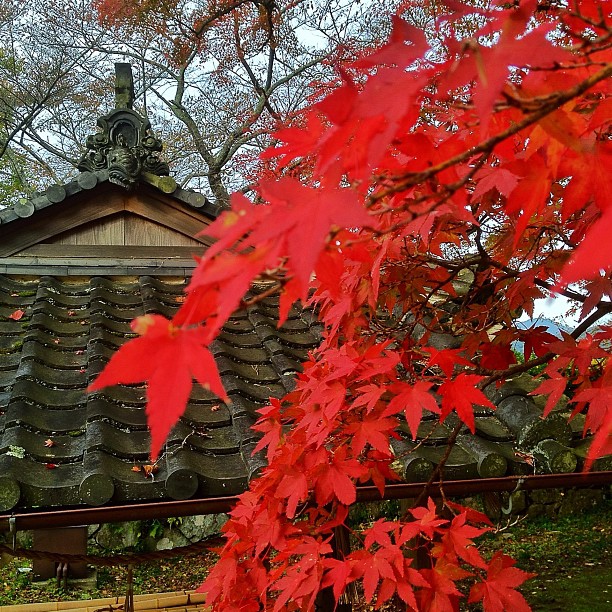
(126, 145)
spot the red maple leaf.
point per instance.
(300, 581)
(232, 225)
(601, 444)
(427, 522)
(412, 400)
(168, 358)
(377, 360)
(594, 253)
(378, 533)
(16, 316)
(474, 516)
(595, 290)
(553, 387)
(235, 273)
(496, 356)
(500, 179)
(498, 592)
(599, 416)
(271, 426)
(441, 595)
(333, 479)
(294, 488)
(396, 51)
(369, 395)
(582, 352)
(372, 430)
(531, 193)
(301, 219)
(537, 340)
(446, 359)
(458, 541)
(461, 394)
(299, 141)
(389, 566)
(488, 65)
(590, 181)
(338, 575)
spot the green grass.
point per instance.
(570, 555)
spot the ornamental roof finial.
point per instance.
(124, 86)
(126, 145)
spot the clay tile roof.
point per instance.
(71, 327)
(68, 332)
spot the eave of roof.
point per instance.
(87, 181)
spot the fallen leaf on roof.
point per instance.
(16, 315)
(149, 470)
(49, 443)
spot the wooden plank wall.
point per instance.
(123, 229)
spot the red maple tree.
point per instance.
(452, 178)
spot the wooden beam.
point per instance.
(109, 251)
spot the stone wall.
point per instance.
(156, 534)
(553, 503)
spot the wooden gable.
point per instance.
(107, 228)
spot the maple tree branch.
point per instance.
(436, 474)
(564, 291)
(597, 314)
(44, 143)
(39, 159)
(263, 92)
(273, 290)
(602, 309)
(26, 121)
(516, 369)
(553, 103)
(204, 24)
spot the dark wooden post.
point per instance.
(64, 540)
(325, 601)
